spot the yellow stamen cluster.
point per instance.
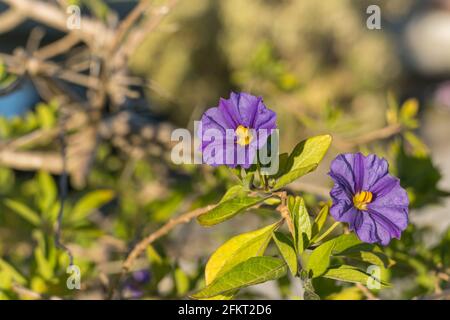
(362, 199)
(244, 135)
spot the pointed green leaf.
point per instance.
(232, 192)
(282, 163)
(351, 274)
(229, 208)
(319, 222)
(89, 202)
(305, 158)
(24, 211)
(250, 272)
(348, 243)
(8, 269)
(47, 191)
(287, 250)
(310, 151)
(237, 250)
(302, 223)
(319, 260)
(377, 258)
(293, 175)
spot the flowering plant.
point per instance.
(368, 204)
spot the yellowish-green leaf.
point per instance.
(352, 274)
(24, 211)
(91, 201)
(181, 281)
(227, 209)
(302, 223)
(305, 158)
(319, 260)
(250, 272)
(319, 222)
(293, 175)
(232, 192)
(8, 270)
(237, 250)
(308, 152)
(408, 112)
(45, 116)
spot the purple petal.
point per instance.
(385, 228)
(375, 168)
(247, 106)
(384, 186)
(341, 171)
(359, 170)
(230, 111)
(366, 228)
(344, 211)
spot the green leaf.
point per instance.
(44, 264)
(320, 220)
(232, 192)
(349, 243)
(301, 222)
(47, 192)
(287, 250)
(227, 209)
(24, 211)
(181, 281)
(305, 158)
(293, 175)
(282, 164)
(319, 260)
(351, 274)
(45, 116)
(91, 201)
(408, 112)
(250, 272)
(11, 272)
(237, 250)
(310, 151)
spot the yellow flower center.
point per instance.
(244, 135)
(362, 199)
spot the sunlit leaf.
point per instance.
(89, 202)
(237, 250)
(287, 250)
(351, 274)
(320, 220)
(250, 272)
(227, 209)
(319, 260)
(301, 221)
(24, 211)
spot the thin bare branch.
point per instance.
(10, 20)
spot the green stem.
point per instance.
(326, 233)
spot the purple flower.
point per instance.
(133, 286)
(235, 130)
(368, 198)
